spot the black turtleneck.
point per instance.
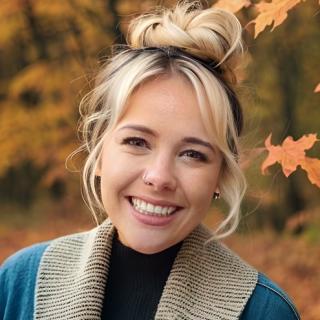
(135, 282)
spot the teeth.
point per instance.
(158, 209)
(150, 209)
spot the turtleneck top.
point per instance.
(135, 282)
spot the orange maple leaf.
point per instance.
(274, 12)
(317, 88)
(312, 167)
(232, 5)
(290, 155)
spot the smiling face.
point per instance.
(158, 167)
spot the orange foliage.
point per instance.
(312, 167)
(291, 154)
(232, 5)
(274, 12)
(43, 134)
(269, 13)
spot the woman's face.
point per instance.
(158, 167)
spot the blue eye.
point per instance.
(195, 155)
(135, 142)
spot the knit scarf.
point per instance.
(206, 282)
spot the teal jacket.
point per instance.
(18, 277)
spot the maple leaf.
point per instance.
(232, 5)
(290, 154)
(312, 167)
(274, 12)
(317, 88)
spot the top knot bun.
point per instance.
(210, 34)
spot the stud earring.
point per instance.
(216, 195)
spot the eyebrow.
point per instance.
(192, 140)
(201, 142)
(138, 128)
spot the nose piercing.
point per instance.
(144, 179)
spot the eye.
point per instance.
(135, 142)
(195, 155)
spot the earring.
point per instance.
(216, 195)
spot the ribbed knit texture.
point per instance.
(135, 282)
(204, 283)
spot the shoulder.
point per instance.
(24, 257)
(17, 281)
(22, 265)
(25, 262)
(20, 272)
(269, 301)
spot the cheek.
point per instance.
(202, 199)
(116, 174)
(200, 188)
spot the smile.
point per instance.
(148, 208)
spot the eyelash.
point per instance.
(142, 143)
(197, 156)
(131, 141)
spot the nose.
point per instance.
(160, 175)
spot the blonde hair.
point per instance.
(207, 47)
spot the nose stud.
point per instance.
(159, 180)
(144, 179)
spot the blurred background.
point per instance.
(49, 53)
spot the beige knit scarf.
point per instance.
(207, 282)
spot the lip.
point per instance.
(154, 221)
(163, 203)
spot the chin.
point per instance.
(149, 247)
(151, 250)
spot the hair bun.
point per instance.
(211, 34)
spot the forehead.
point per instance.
(168, 102)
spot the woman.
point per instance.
(161, 129)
